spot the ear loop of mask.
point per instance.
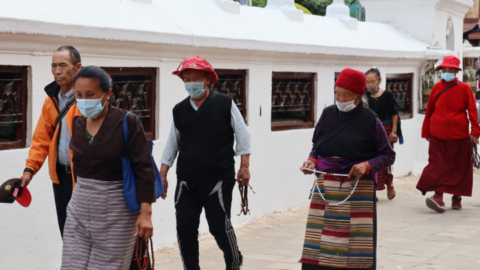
(315, 186)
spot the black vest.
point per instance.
(351, 137)
(206, 139)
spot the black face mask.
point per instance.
(374, 90)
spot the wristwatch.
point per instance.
(394, 132)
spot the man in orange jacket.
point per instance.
(447, 128)
(53, 132)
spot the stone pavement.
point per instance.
(410, 236)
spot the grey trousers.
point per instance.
(99, 231)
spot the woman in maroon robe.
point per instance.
(446, 127)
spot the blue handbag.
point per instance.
(129, 183)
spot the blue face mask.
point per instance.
(448, 77)
(195, 89)
(90, 108)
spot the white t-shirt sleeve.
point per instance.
(241, 132)
(172, 146)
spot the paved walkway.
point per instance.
(410, 236)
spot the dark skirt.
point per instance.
(449, 169)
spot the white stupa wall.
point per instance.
(154, 38)
(425, 20)
(276, 156)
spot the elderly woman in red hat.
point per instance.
(204, 128)
(349, 139)
(447, 128)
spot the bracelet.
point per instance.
(28, 171)
(368, 166)
(394, 132)
(314, 160)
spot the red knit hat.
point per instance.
(352, 80)
(199, 63)
(450, 61)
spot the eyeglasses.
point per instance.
(372, 82)
(448, 70)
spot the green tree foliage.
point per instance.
(317, 7)
(257, 3)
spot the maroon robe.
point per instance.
(449, 169)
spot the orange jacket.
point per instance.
(45, 138)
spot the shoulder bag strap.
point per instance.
(125, 131)
(446, 89)
(64, 111)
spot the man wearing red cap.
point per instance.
(204, 128)
(446, 127)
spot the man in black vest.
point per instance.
(204, 128)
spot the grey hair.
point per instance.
(74, 54)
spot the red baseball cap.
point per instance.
(450, 61)
(198, 63)
(11, 190)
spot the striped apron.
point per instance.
(99, 231)
(341, 236)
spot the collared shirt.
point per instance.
(63, 156)
(239, 128)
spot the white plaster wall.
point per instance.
(405, 15)
(425, 20)
(30, 238)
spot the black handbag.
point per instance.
(142, 259)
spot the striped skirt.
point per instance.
(341, 236)
(99, 231)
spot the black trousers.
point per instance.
(62, 193)
(216, 198)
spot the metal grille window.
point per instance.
(427, 82)
(337, 74)
(233, 83)
(401, 87)
(133, 89)
(13, 106)
(293, 100)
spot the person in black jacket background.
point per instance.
(383, 103)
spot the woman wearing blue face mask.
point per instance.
(383, 103)
(451, 127)
(348, 139)
(100, 231)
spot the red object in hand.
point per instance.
(145, 256)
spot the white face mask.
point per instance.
(346, 106)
